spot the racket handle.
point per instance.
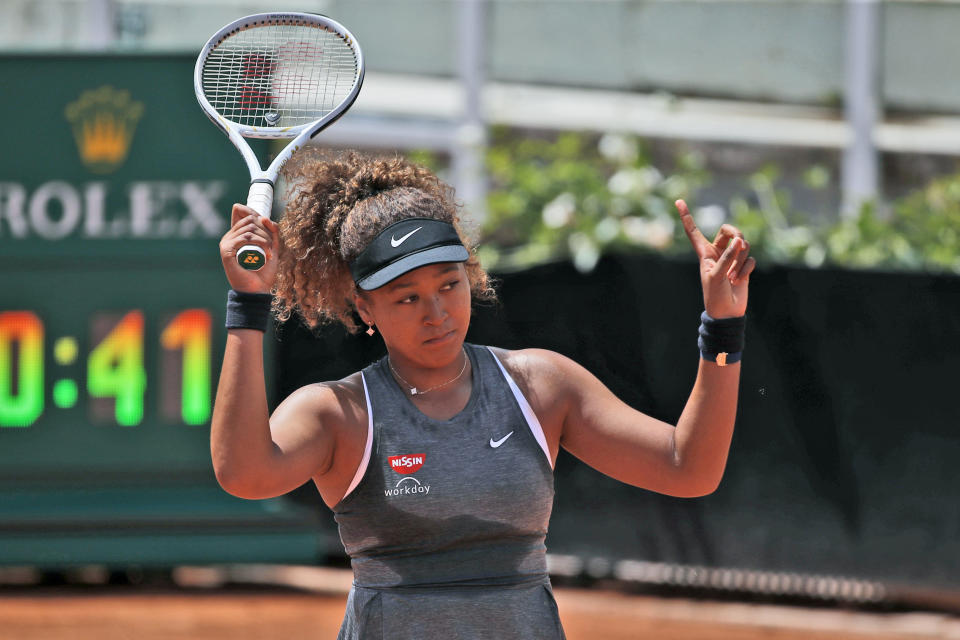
(260, 199)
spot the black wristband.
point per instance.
(726, 335)
(248, 310)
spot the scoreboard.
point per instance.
(112, 302)
(115, 364)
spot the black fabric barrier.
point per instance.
(846, 448)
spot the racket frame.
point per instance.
(262, 180)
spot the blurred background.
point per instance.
(827, 131)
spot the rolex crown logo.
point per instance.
(103, 122)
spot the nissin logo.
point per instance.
(407, 463)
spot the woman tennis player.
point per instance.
(437, 459)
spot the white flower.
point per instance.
(634, 228)
(710, 218)
(794, 237)
(622, 182)
(656, 233)
(636, 182)
(651, 177)
(559, 211)
(618, 148)
(585, 252)
(606, 230)
(660, 232)
(815, 255)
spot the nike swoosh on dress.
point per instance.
(497, 443)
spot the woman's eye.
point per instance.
(408, 299)
(451, 284)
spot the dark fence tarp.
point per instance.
(846, 448)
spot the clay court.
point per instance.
(315, 609)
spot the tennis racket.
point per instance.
(276, 75)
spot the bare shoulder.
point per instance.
(540, 369)
(321, 429)
(542, 375)
(543, 378)
(328, 403)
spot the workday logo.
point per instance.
(405, 465)
(408, 486)
(103, 122)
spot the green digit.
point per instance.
(190, 331)
(115, 369)
(26, 329)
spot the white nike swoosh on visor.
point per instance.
(497, 443)
(396, 243)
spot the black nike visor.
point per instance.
(404, 246)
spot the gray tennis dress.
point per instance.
(445, 520)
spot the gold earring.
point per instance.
(371, 330)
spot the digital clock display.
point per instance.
(116, 379)
(110, 368)
(112, 294)
(112, 305)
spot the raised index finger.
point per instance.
(697, 239)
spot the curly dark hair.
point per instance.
(336, 204)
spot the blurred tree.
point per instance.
(577, 196)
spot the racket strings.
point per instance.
(279, 75)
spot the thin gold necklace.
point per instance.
(413, 389)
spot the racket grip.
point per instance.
(260, 198)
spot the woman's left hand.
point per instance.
(724, 267)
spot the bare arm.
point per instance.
(705, 427)
(240, 425)
(256, 456)
(253, 455)
(684, 461)
(687, 460)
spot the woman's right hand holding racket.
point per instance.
(248, 227)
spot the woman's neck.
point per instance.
(418, 380)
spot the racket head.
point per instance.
(276, 75)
